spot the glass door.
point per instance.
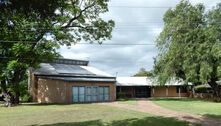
(75, 94)
(88, 94)
(106, 93)
(94, 94)
(78, 94)
(81, 94)
(101, 93)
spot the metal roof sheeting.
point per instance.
(95, 71)
(84, 79)
(145, 81)
(70, 69)
(132, 81)
(54, 69)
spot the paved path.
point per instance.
(149, 107)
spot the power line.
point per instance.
(113, 60)
(120, 24)
(119, 44)
(17, 41)
(84, 43)
(118, 61)
(118, 27)
(134, 28)
(147, 7)
(106, 44)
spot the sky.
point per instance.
(136, 22)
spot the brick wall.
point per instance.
(57, 91)
(163, 91)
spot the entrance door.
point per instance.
(90, 94)
(75, 94)
(94, 94)
(81, 94)
(78, 94)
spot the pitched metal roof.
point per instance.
(83, 79)
(132, 81)
(69, 72)
(145, 81)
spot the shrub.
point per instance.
(121, 95)
(26, 98)
(24, 94)
(202, 89)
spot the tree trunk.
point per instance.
(12, 98)
(16, 80)
(3, 86)
(17, 90)
(215, 88)
(17, 93)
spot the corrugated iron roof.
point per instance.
(145, 81)
(55, 69)
(83, 79)
(132, 81)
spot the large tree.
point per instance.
(143, 73)
(190, 45)
(32, 30)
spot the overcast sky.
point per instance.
(135, 24)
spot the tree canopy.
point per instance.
(31, 31)
(190, 45)
(143, 73)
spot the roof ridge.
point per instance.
(69, 61)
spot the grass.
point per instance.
(80, 115)
(195, 106)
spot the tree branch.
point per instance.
(78, 16)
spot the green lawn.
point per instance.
(194, 106)
(79, 115)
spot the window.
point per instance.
(90, 94)
(101, 94)
(81, 94)
(94, 94)
(106, 93)
(75, 94)
(78, 94)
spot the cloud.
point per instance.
(133, 26)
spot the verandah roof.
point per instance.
(145, 81)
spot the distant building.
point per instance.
(144, 87)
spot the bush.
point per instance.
(121, 95)
(24, 94)
(202, 89)
(26, 98)
(217, 99)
